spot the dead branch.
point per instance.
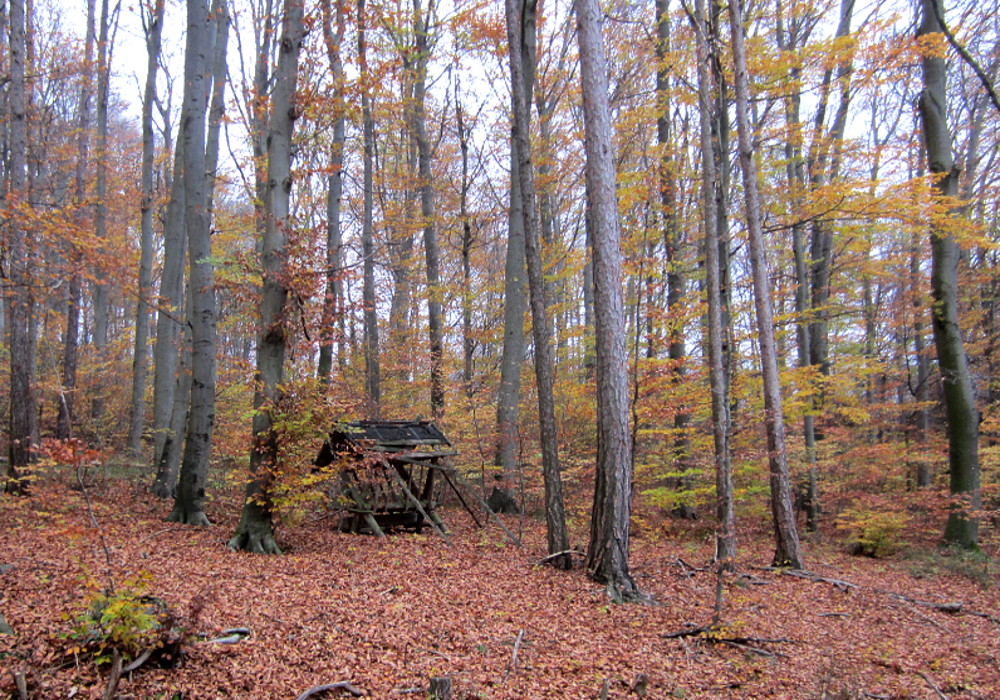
(952, 608)
(139, 661)
(753, 650)
(933, 687)
(22, 684)
(571, 552)
(115, 677)
(816, 578)
(517, 648)
(692, 632)
(346, 686)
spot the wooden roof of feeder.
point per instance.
(408, 454)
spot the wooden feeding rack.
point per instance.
(388, 475)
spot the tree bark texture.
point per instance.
(23, 411)
(721, 427)
(373, 380)
(190, 499)
(961, 413)
(141, 353)
(558, 538)
(608, 554)
(785, 532)
(100, 338)
(255, 532)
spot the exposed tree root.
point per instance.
(254, 541)
(196, 517)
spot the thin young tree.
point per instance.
(783, 514)
(101, 310)
(153, 24)
(255, 532)
(373, 378)
(555, 518)
(721, 428)
(961, 414)
(608, 554)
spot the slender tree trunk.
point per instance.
(333, 36)
(255, 532)
(785, 532)
(190, 499)
(71, 340)
(607, 556)
(922, 393)
(23, 411)
(726, 534)
(101, 212)
(961, 414)
(373, 381)
(558, 539)
(421, 27)
(154, 24)
(468, 342)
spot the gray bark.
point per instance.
(71, 339)
(721, 427)
(421, 50)
(333, 36)
(607, 556)
(255, 532)
(558, 538)
(23, 411)
(961, 414)
(783, 515)
(190, 498)
(373, 381)
(100, 337)
(154, 31)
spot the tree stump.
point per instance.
(440, 688)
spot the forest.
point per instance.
(686, 310)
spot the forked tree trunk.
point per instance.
(786, 535)
(255, 532)
(961, 414)
(189, 503)
(558, 538)
(726, 533)
(608, 554)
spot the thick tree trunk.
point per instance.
(961, 414)
(558, 539)
(154, 24)
(23, 411)
(726, 534)
(607, 556)
(190, 498)
(255, 532)
(785, 532)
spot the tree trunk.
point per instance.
(190, 499)
(71, 340)
(961, 414)
(785, 532)
(333, 37)
(518, 31)
(607, 557)
(101, 213)
(23, 411)
(721, 428)
(373, 381)
(421, 27)
(154, 24)
(255, 531)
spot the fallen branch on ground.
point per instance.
(346, 686)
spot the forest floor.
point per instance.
(388, 614)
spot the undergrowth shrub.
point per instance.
(872, 533)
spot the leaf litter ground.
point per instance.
(389, 614)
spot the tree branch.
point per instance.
(967, 57)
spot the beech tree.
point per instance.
(961, 413)
(782, 513)
(254, 532)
